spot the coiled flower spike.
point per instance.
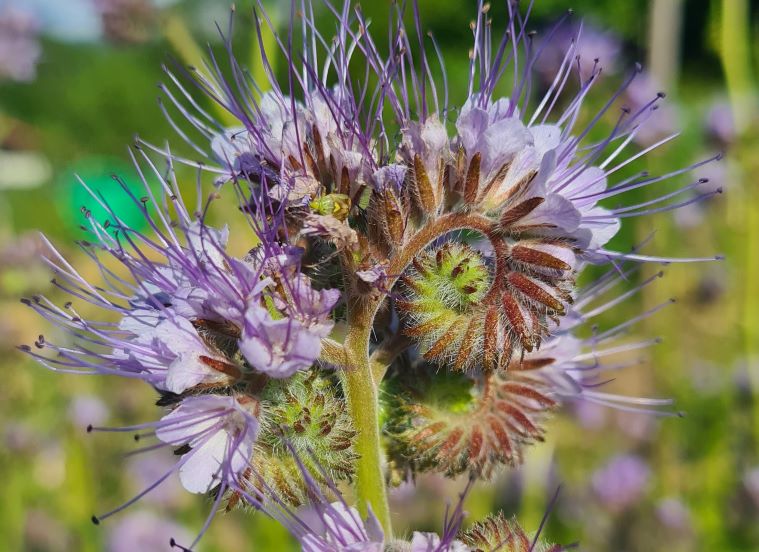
(401, 247)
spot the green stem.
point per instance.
(361, 392)
(736, 60)
(363, 373)
(740, 85)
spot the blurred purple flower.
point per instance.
(590, 415)
(20, 49)
(144, 531)
(673, 514)
(19, 437)
(621, 483)
(658, 120)
(144, 470)
(581, 45)
(44, 533)
(751, 483)
(87, 410)
(720, 125)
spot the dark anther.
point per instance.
(95, 520)
(89, 428)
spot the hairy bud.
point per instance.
(444, 291)
(462, 425)
(505, 535)
(305, 412)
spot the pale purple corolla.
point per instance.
(170, 349)
(277, 347)
(219, 433)
(430, 542)
(337, 527)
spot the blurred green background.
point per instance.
(77, 81)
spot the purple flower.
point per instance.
(219, 433)
(658, 120)
(334, 526)
(88, 409)
(312, 307)
(673, 514)
(20, 50)
(340, 528)
(143, 470)
(720, 124)
(213, 437)
(751, 483)
(575, 369)
(584, 45)
(172, 351)
(144, 531)
(354, 193)
(278, 348)
(622, 482)
(430, 542)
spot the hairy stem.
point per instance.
(361, 393)
(362, 373)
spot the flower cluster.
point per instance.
(399, 247)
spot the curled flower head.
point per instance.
(402, 248)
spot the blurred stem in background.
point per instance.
(663, 66)
(191, 54)
(736, 61)
(664, 30)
